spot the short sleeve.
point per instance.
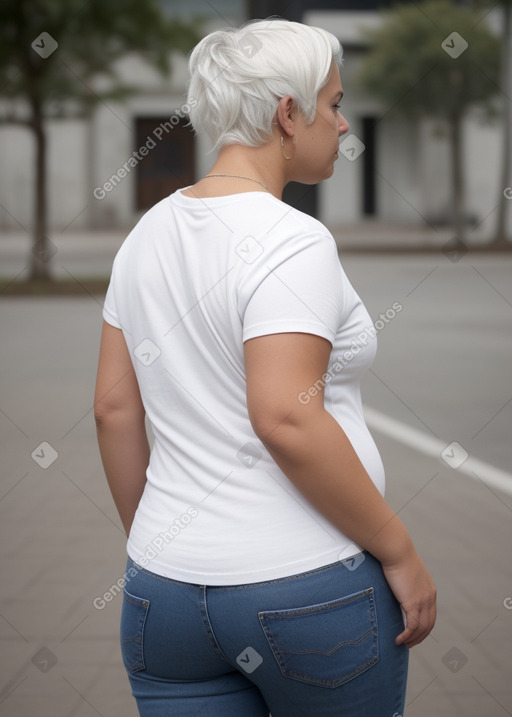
(303, 293)
(109, 306)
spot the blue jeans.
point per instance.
(316, 644)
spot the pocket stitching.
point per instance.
(367, 594)
(138, 602)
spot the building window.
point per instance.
(369, 125)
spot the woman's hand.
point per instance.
(415, 590)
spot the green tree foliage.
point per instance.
(37, 84)
(420, 68)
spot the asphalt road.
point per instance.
(443, 369)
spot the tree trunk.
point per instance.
(40, 255)
(500, 237)
(457, 176)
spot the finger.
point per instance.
(412, 622)
(426, 620)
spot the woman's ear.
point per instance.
(285, 113)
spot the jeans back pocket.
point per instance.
(133, 620)
(326, 644)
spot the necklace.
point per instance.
(238, 176)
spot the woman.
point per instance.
(266, 572)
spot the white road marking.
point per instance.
(430, 446)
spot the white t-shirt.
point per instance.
(193, 281)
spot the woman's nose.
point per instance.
(343, 125)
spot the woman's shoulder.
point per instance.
(275, 216)
(292, 223)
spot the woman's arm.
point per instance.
(120, 424)
(312, 449)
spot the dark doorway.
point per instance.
(369, 158)
(169, 161)
(302, 196)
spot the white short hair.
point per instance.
(239, 75)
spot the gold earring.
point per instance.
(282, 148)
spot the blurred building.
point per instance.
(108, 170)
